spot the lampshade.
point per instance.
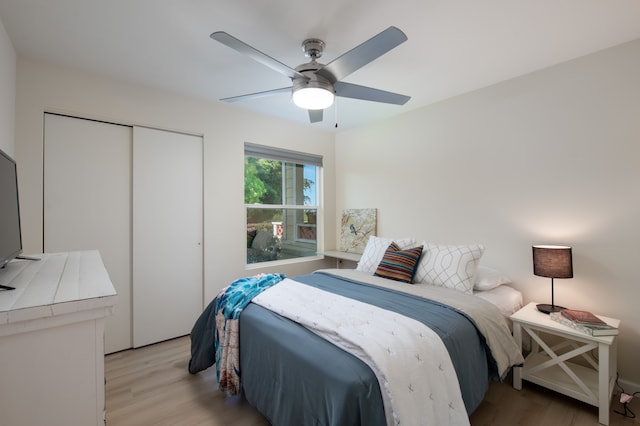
(552, 261)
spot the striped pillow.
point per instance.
(399, 265)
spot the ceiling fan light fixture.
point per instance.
(313, 98)
(313, 93)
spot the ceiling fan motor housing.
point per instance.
(312, 79)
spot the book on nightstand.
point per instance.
(583, 318)
(599, 328)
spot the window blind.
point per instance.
(285, 155)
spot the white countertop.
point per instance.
(57, 284)
(354, 257)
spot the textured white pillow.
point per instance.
(374, 251)
(489, 278)
(452, 266)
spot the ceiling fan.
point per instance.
(314, 85)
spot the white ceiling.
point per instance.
(454, 46)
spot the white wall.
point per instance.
(550, 157)
(7, 92)
(45, 87)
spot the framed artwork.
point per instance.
(357, 226)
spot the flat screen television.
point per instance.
(10, 234)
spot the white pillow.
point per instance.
(374, 251)
(489, 278)
(452, 266)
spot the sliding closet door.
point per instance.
(167, 234)
(87, 204)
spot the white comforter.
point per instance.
(418, 381)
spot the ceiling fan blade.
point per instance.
(315, 115)
(348, 90)
(361, 55)
(257, 95)
(240, 46)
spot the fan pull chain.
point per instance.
(335, 110)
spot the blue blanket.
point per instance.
(293, 376)
(227, 307)
(233, 299)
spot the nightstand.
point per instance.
(591, 381)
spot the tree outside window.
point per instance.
(281, 201)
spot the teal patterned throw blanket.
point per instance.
(229, 304)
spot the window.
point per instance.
(281, 195)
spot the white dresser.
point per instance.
(52, 340)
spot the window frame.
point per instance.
(291, 157)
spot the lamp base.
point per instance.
(547, 309)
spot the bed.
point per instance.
(295, 371)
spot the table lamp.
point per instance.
(552, 262)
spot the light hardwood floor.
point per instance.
(151, 386)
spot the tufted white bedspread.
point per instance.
(418, 381)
